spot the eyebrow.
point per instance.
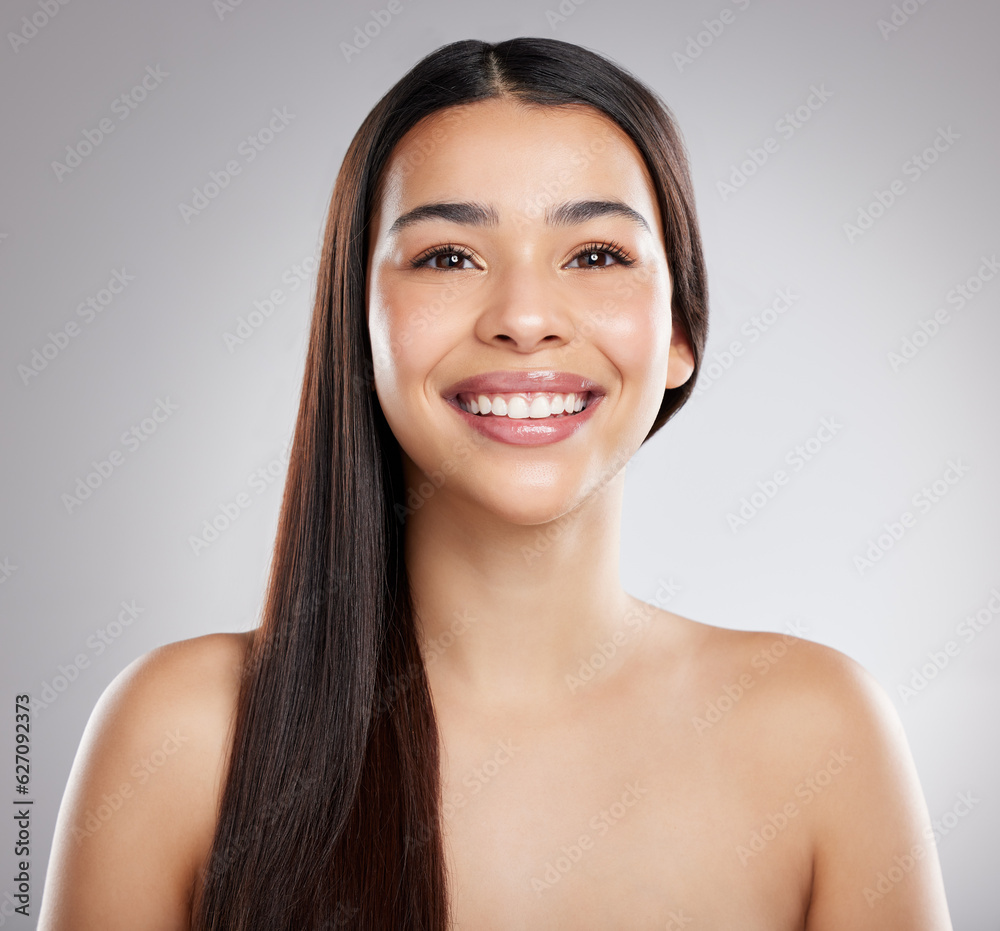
(565, 214)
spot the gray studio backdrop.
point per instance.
(167, 169)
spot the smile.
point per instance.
(528, 420)
(524, 405)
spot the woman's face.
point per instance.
(486, 263)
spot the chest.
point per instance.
(615, 826)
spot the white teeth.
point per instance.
(525, 406)
(517, 408)
(539, 408)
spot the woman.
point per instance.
(512, 299)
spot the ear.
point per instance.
(680, 364)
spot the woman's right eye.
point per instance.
(443, 258)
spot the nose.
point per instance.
(526, 308)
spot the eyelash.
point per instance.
(612, 248)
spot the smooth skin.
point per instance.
(578, 793)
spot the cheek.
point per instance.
(409, 331)
(635, 335)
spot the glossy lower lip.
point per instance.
(528, 432)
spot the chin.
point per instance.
(520, 502)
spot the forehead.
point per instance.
(520, 157)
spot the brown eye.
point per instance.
(442, 258)
(599, 255)
(450, 260)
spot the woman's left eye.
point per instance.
(591, 255)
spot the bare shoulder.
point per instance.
(814, 691)
(204, 668)
(824, 743)
(141, 803)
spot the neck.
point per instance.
(504, 612)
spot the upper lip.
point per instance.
(512, 381)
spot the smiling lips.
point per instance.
(525, 408)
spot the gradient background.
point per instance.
(163, 338)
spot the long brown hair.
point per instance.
(330, 810)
